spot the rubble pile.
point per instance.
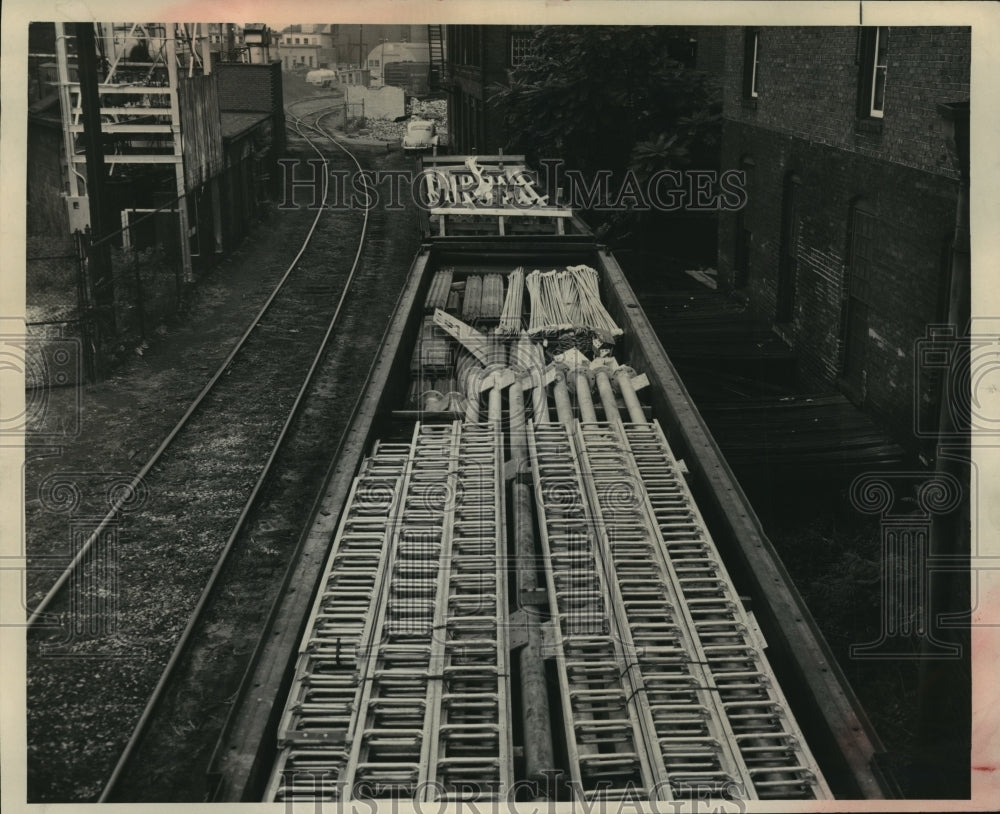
(385, 129)
(435, 110)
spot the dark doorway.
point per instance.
(855, 331)
(787, 250)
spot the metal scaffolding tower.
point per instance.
(139, 65)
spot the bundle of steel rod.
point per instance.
(492, 302)
(547, 314)
(510, 315)
(432, 354)
(586, 304)
(440, 288)
(473, 301)
(529, 357)
(568, 300)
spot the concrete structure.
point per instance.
(845, 241)
(386, 53)
(353, 76)
(251, 105)
(375, 103)
(257, 38)
(226, 40)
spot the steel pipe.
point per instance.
(470, 378)
(623, 380)
(496, 360)
(607, 394)
(535, 717)
(529, 355)
(560, 392)
(581, 385)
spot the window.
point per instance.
(296, 40)
(874, 44)
(310, 62)
(751, 63)
(521, 47)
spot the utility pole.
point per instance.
(99, 251)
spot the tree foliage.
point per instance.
(611, 97)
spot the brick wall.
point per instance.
(474, 124)
(805, 121)
(244, 88)
(711, 53)
(914, 217)
(808, 87)
(249, 88)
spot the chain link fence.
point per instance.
(54, 306)
(114, 294)
(109, 294)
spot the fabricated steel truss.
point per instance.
(139, 66)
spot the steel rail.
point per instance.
(126, 494)
(222, 559)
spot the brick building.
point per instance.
(477, 57)
(845, 241)
(251, 110)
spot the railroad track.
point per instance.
(229, 533)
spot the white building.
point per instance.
(389, 52)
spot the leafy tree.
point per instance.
(611, 97)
